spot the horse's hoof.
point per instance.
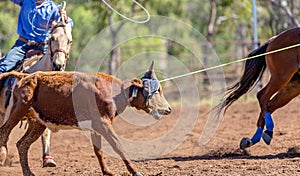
(3, 154)
(267, 137)
(49, 162)
(138, 174)
(245, 143)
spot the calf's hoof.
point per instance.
(267, 137)
(245, 143)
(108, 172)
(138, 174)
(3, 154)
(49, 162)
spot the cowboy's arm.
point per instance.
(63, 13)
(67, 19)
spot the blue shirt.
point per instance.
(34, 22)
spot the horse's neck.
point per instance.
(43, 65)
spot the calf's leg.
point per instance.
(33, 132)
(96, 139)
(104, 127)
(17, 112)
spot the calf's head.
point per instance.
(148, 95)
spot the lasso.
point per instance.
(36, 29)
(223, 65)
(127, 18)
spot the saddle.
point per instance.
(32, 53)
(31, 57)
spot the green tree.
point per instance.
(85, 27)
(8, 26)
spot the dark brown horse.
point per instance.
(282, 87)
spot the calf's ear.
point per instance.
(137, 82)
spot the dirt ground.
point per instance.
(221, 156)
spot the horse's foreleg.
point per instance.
(46, 142)
(3, 154)
(33, 132)
(48, 161)
(96, 140)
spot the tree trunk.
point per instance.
(212, 19)
(210, 32)
(113, 60)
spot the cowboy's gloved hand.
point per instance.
(63, 14)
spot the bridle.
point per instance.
(52, 53)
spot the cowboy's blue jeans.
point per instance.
(17, 54)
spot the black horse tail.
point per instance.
(253, 71)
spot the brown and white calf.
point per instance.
(63, 100)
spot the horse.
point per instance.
(283, 84)
(55, 59)
(102, 98)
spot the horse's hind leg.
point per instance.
(48, 161)
(284, 96)
(33, 132)
(274, 85)
(96, 139)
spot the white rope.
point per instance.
(62, 6)
(127, 18)
(236, 61)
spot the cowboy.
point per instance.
(34, 27)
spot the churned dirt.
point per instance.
(220, 156)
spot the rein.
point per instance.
(57, 51)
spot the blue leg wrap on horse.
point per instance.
(269, 122)
(257, 136)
